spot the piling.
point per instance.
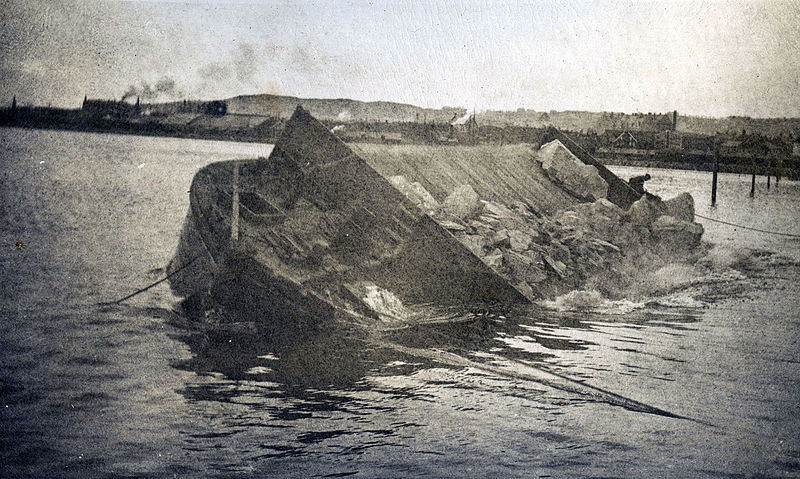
(235, 207)
(714, 179)
(753, 184)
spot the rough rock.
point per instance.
(557, 266)
(452, 225)
(519, 241)
(542, 255)
(643, 211)
(494, 259)
(462, 203)
(523, 267)
(501, 239)
(564, 168)
(475, 243)
(675, 234)
(497, 210)
(607, 209)
(526, 290)
(680, 207)
(480, 228)
(415, 192)
(606, 244)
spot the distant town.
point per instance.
(764, 146)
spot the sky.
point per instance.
(715, 58)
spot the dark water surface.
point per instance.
(131, 391)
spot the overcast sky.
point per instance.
(705, 58)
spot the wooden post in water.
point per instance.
(714, 179)
(769, 173)
(753, 183)
(235, 207)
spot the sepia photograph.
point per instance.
(396, 238)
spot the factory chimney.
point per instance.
(674, 120)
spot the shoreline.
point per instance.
(91, 125)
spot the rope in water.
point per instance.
(791, 235)
(528, 372)
(152, 285)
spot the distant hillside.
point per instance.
(653, 122)
(771, 127)
(343, 110)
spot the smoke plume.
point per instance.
(163, 89)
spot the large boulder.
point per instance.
(462, 203)
(676, 235)
(415, 192)
(566, 170)
(644, 211)
(603, 207)
(600, 218)
(680, 207)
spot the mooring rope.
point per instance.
(540, 375)
(791, 235)
(152, 285)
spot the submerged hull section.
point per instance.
(314, 229)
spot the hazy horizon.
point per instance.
(707, 59)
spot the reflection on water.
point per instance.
(137, 391)
(342, 356)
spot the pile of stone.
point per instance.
(545, 256)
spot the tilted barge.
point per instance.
(316, 228)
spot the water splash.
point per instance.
(590, 301)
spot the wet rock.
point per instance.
(643, 211)
(675, 234)
(607, 209)
(542, 255)
(680, 207)
(461, 203)
(630, 235)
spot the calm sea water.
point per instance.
(129, 391)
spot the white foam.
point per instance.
(384, 302)
(593, 301)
